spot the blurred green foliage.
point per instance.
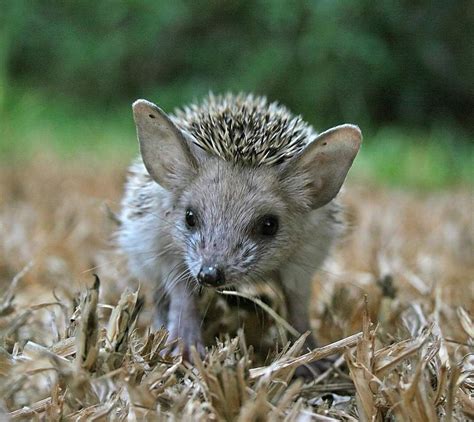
(363, 61)
(70, 69)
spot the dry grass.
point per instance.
(406, 265)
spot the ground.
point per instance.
(402, 275)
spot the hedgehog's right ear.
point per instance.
(324, 163)
(164, 149)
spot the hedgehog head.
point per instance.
(244, 176)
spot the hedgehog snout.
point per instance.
(211, 275)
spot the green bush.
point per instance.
(374, 63)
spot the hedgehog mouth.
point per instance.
(221, 287)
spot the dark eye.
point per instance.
(190, 218)
(269, 225)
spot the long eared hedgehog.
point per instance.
(228, 192)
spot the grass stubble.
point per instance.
(395, 303)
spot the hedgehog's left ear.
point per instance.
(165, 151)
(324, 163)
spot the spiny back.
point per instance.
(245, 129)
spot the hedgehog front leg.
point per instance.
(184, 320)
(298, 305)
(297, 284)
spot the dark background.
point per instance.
(402, 70)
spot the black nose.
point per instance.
(211, 276)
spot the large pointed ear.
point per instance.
(164, 149)
(324, 163)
